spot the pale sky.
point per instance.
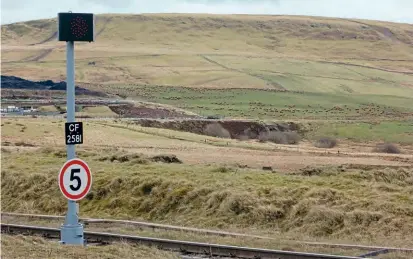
(385, 10)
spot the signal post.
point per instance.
(75, 179)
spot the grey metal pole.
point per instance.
(70, 91)
(71, 230)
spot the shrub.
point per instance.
(216, 130)
(292, 137)
(222, 169)
(263, 137)
(250, 134)
(123, 158)
(387, 148)
(279, 137)
(213, 117)
(243, 137)
(325, 142)
(23, 144)
(166, 159)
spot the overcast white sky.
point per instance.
(386, 10)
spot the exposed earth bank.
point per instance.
(236, 128)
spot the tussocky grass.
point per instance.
(368, 205)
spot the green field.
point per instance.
(385, 131)
(269, 104)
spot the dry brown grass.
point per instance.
(24, 247)
(367, 205)
(37, 247)
(281, 242)
(192, 148)
(97, 111)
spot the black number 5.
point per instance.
(77, 178)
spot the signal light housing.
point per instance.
(76, 27)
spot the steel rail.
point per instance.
(209, 232)
(185, 247)
(139, 224)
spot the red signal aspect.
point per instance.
(78, 27)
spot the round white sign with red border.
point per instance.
(75, 179)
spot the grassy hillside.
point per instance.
(296, 53)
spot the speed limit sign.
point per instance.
(75, 179)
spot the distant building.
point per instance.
(13, 109)
(10, 108)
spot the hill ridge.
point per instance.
(296, 53)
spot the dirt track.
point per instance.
(278, 160)
(279, 157)
(282, 161)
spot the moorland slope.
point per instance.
(293, 53)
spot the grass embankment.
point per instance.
(367, 206)
(23, 247)
(96, 111)
(48, 108)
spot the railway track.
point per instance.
(369, 250)
(184, 247)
